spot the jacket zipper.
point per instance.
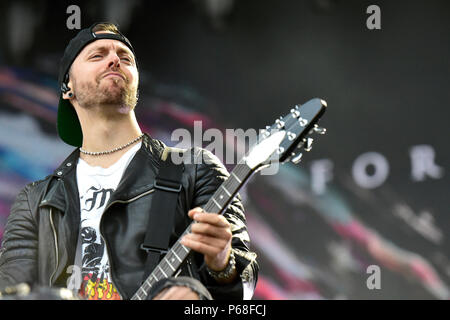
(56, 246)
(103, 238)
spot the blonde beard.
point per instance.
(90, 94)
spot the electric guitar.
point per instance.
(277, 144)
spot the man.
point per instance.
(94, 211)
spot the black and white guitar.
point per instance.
(279, 143)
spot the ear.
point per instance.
(68, 93)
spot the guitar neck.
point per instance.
(178, 253)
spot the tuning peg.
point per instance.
(296, 158)
(303, 122)
(280, 150)
(279, 123)
(265, 133)
(295, 113)
(291, 136)
(308, 144)
(319, 130)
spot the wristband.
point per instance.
(225, 273)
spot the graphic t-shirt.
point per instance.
(95, 187)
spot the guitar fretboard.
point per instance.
(178, 253)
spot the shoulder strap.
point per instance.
(162, 212)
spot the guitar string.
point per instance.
(241, 171)
(178, 246)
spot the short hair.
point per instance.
(111, 27)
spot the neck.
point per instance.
(106, 132)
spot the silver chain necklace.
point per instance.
(113, 150)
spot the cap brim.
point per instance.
(68, 125)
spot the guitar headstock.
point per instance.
(288, 136)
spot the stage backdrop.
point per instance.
(365, 215)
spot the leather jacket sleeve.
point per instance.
(18, 254)
(210, 174)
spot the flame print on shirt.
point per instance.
(96, 284)
(98, 290)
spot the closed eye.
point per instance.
(127, 59)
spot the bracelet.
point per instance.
(225, 273)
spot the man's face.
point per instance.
(105, 73)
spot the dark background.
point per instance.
(387, 91)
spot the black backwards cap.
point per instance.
(68, 125)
